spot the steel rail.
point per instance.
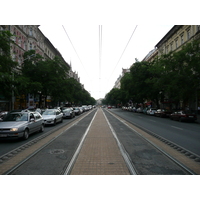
(73, 160)
(121, 119)
(24, 146)
(124, 153)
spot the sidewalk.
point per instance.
(100, 154)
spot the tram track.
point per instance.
(152, 138)
(13, 159)
(132, 143)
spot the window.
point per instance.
(176, 43)
(171, 46)
(31, 46)
(182, 39)
(167, 49)
(188, 34)
(31, 31)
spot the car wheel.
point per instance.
(54, 123)
(42, 128)
(61, 120)
(26, 134)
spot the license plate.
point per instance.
(191, 116)
(3, 135)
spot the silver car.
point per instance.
(52, 116)
(21, 124)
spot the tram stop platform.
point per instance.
(100, 154)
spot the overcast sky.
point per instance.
(79, 45)
(81, 20)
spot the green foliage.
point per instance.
(7, 66)
(175, 75)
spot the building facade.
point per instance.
(177, 37)
(117, 82)
(173, 41)
(30, 37)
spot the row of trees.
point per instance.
(38, 77)
(173, 77)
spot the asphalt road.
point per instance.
(184, 134)
(56, 156)
(9, 144)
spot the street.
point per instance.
(183, 134)
(55, 151)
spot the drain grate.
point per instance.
(56, 151)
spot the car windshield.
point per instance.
(49, 112)
(16, 117)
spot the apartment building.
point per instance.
(30, 37)
(117, 82)
(177, 37)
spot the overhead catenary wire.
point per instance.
(100, 49)
(100, 55)
(123, 51)
(75, 50)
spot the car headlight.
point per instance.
(14, 129)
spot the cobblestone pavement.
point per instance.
(100, 154)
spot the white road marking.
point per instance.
(176, 127)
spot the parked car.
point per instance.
(77, 111)
(3, 114)
(162, 113)
(109, 107)
(85, 108)
(139, 110)
(184, 116)
(151, 111)
(145, 110)
(21, 124)
(81, 109)
(52, 116)
(68, 113)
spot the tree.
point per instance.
(45, 78)
(127, 88)
(7, 66)
(113, 97)
(142, 90)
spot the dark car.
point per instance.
(77, 111)
(184, 116)
(68, 113)
(162, 113)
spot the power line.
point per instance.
(100, 49)
(123, 51)
(75, 49)
(100, 55)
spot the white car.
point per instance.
(151, 111)
(52, 116)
